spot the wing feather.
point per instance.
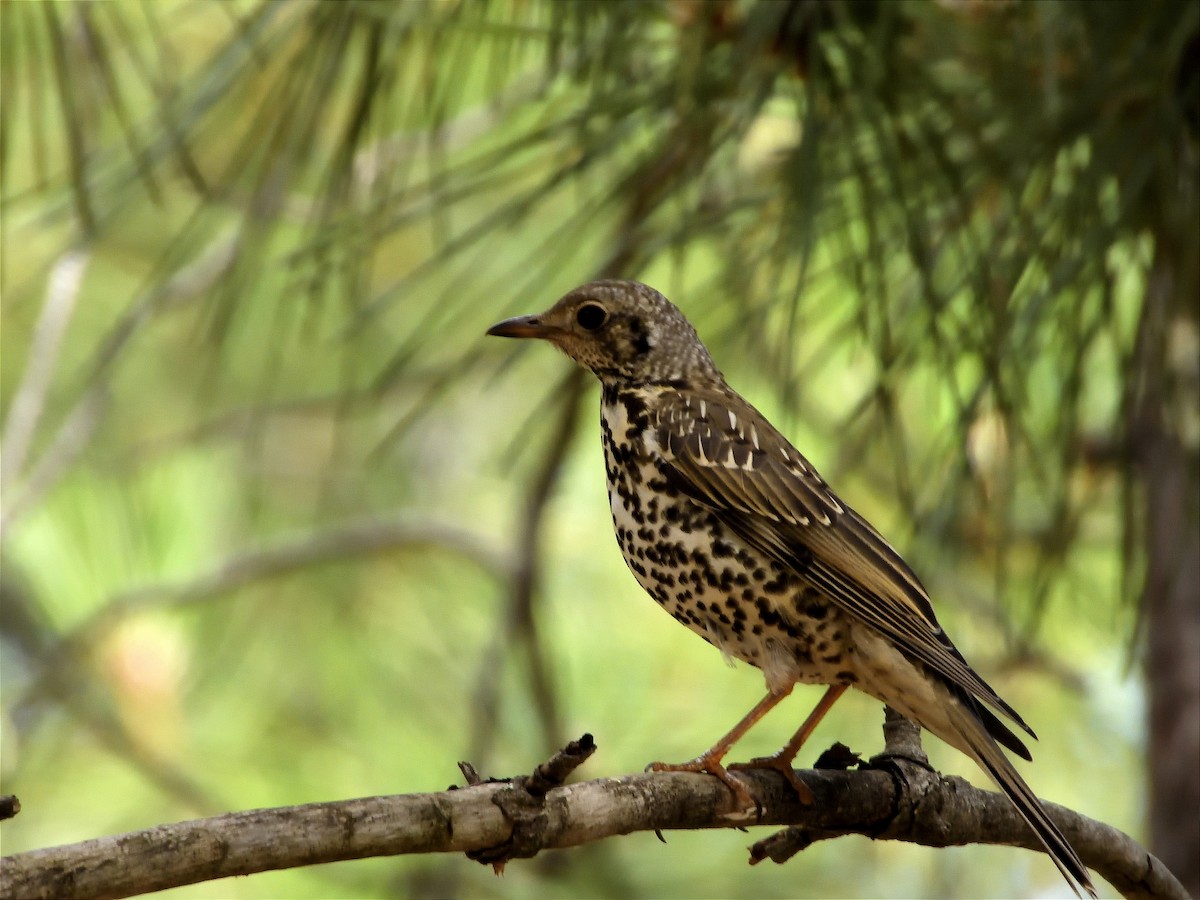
(770, 495)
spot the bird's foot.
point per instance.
(783, 766)
(711, 765)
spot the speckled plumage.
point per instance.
(750, 607)
(734, 533)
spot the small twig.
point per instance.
(523, 804)
(473, 778)
(783, 845)
(555, 771)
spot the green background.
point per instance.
(260, 548)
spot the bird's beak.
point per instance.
(523, 327)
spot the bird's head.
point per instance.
(624, 331)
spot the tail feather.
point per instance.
(1003, 733)
(974, 732)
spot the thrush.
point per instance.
(735, 534)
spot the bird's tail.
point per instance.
(984, 750)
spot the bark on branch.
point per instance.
(497, 821)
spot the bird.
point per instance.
(733, 532)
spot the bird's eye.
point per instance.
(590, 316)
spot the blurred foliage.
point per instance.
(280, 525)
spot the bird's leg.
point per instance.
(781, 760)
(710, 760)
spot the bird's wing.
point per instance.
(723, 454)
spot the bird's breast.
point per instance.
(748, 606)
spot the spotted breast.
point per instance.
(749, 606)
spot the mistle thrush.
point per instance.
(734, 533)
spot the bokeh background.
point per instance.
(280, 525)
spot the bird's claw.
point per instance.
(702, 764)
(783, 766)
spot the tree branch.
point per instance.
(498, 821)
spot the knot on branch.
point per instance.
(917, 794)
(523, 803)
(922, 793)
(838, 758)
(901, 740)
